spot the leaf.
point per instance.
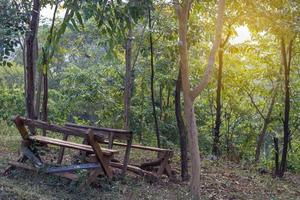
(75, 25)
(9, 64)
(79, 19)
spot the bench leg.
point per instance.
(126, 157)
(83, 153)
(62, 150)
(99, 155)
(164, 166)
(91, 177)
(8, 169)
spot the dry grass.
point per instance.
(220, 180)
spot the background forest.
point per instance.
(91, 55)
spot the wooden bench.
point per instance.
(29, 151)
(108, 136)
(164, 155)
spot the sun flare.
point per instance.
(243, 35)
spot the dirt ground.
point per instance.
(220, 180)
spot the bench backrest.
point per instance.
(106, 132)
(21, 122)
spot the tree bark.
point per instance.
(160, 101)
(188, 95)
(216, 132)
(128, 75)
(276, 156)
(157, 131)
(182, 131)
(286, 61)
(38, 94)
(30, 58)
(267, 121)
(45, 98)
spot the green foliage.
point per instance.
(12, 102)
(13, 19)
(84, 55)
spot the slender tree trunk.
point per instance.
(143, 88)
(160, 101)
(276, 157)
(128, 85)
(39, 74)
(168, 97)
(182, 131)
(38, 95)
(45, 68)
(286, 66)
(189, 95)
(25, 73)
(267, 121)
(193, 145)
(188, 102)
(30, 56)
(45, 98)
(157, 131)
(216, 132)
(216, 141)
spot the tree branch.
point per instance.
(256, 107)
(207, 75)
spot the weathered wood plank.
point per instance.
(99, 128)
(106, 132)
(139, 147)
(55, 128)
(126, 156)
(72, 167)
(135, 170)
(99, 154)
(163, 164)
(21, 127)
(67, 175)
(68, 144)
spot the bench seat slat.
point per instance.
(135, 146)
(68, 144)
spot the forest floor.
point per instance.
(219, 180)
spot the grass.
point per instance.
(219, 180)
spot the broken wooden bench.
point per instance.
(107, 135)
(100, 157)
(164, 155)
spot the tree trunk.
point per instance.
(38, 94)
(45, 98)
(193, 145)
(286, 66)
(157, 131)
(276, 157)
(182, 131)
(189, 96)
(128, 85)
(168, 97)
(25, 73)
(38, 82)
(267, 120)
(216, 132)
(160, 101)
(30, 58)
